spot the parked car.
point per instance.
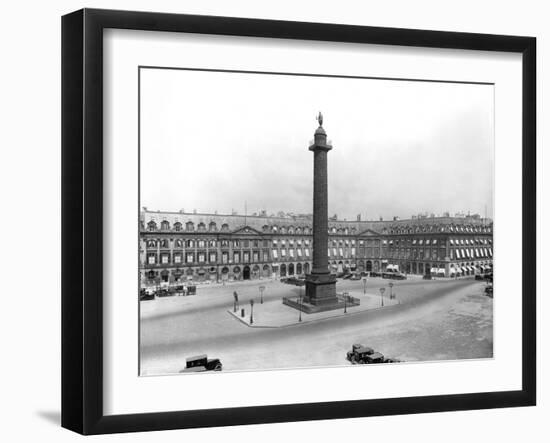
(347, 276)
(358, 353)
(201, 363)
(355, 277)
(144, 294)
(375, 357)
(164, 292)
(374, 274)
(489, 291)
(394, 275)
(427, 276)
(480, 277)
(295, 281)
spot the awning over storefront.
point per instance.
(464, 269)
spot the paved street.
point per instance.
(435, 320)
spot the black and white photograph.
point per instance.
(299, 220)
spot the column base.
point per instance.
(321, 290)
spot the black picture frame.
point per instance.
(82, 219)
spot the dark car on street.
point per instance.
(201, 363)
(355, 277)
(427, 276)
(144, 294)
(489, 291)
(358, 354)
(375, 357)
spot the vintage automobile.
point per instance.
(489, 291)
(145, 294)
(375, 357)
(394, 275)
(427, 276)
(480, 277)
(358, 354)
(355, 277)
(201, 363)
(295, 281)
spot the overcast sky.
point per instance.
(211, 141)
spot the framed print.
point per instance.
(269, 221)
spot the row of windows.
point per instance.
(254, 257)
(437, 228)
(212, 257)
(178, 243)
(213, 227)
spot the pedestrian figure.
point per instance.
(236, 301)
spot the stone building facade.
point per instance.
(182, 247)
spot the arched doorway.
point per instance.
(306, 268)
(255, 271)
(246, 273)
(236, 273)
(283, 270)
(266, 272)
(291, 269)
(299, 268)
(164, 275)
(420, 268)
(369, 266)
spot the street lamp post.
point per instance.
(382, 290)
(235, 301)
(251, 311)
(346, 294)
(391, 291)
(262, 288)
(300, 302)
(364, 285)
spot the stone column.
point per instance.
(320, 149)
(320, 284)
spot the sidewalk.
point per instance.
(274, 314)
